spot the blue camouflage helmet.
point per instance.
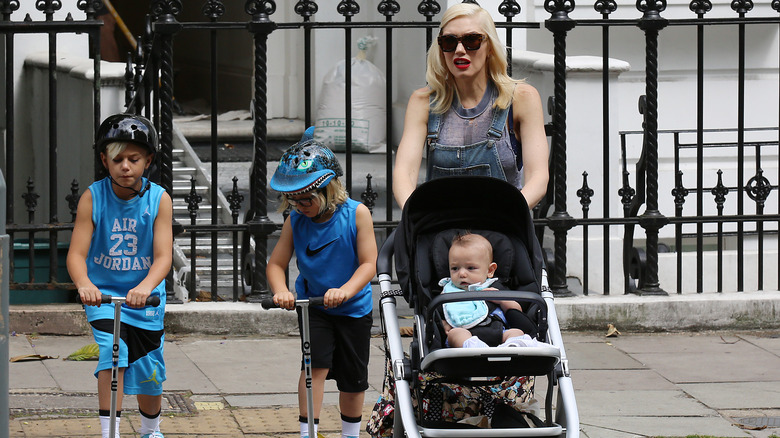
(305, 166)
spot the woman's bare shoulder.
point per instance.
(525, 91)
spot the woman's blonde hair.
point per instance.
(329, 198)
(442, 85)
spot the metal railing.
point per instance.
(643, 204)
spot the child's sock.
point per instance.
(305, 426)
(105, 422)
(149, 423)
(350, 426)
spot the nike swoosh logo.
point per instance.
(312, 252)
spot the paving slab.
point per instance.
(676, 426)
(183, 374)
(598, 355)
(240, 365)
(69, 376)
(736, 395)
(620, 380)
(733, 364)
(639, 403)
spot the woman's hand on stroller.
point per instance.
(285, 300)
(335, 297)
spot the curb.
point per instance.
(706, 311)
(709, 311)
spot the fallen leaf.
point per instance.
(30, 357)
(612, 331)
(407, 331)
(87, 352)
(728, 342)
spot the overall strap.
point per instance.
(499, 120)
(434, 122)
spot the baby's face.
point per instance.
(468, 266)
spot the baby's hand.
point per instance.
(334, 298)
(285, 300)
(90, 295)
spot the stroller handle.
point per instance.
(384, 260)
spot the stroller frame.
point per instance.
(549, 360)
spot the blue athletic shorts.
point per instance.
(140, 353)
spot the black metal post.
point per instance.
(652, 220)
(741, 7)
(8, 7)
(700, 7)
(260, 226)
(166, 26)
(585, 194)
(605, 8)
(388, 9)
(560, 221)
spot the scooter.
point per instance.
(153, 301)
(268, 303)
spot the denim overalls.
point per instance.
(480, 159)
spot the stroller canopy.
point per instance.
(484, 205)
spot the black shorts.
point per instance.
(341, 344)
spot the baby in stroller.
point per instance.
(437, 391)
(480, 323)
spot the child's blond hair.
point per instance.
(330, 197)
(117, 147)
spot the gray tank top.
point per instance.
(465, 126)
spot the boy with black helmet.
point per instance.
(122, 246)
(332, 237)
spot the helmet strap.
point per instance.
(135, 192)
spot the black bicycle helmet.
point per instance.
(305, 166)
(127, 127)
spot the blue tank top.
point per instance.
(327, 258)
(121, 251)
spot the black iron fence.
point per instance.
(688, 229)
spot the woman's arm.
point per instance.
(410, 150)
(277, 265)
(162, 247)
(366, 252)
(76, 260)
(529, 129)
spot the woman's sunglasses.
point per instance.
(303, 202)
(471, 41)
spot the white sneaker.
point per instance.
(521, 341)
(474, 342)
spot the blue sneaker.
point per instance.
(155, 434)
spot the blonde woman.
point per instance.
(463, 115)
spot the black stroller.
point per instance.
(430, 376)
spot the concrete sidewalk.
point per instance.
(633, 385)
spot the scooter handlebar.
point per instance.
(268, 303)
(152, 300)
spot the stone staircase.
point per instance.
(187, 168)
